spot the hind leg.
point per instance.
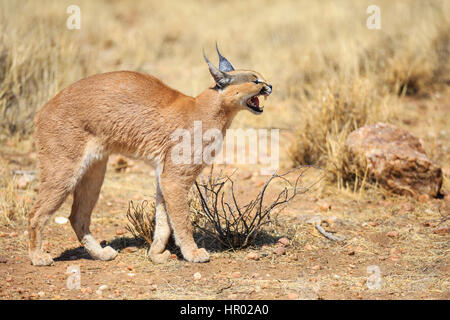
(158, 252)
(50, 198)
(47, 203)
(84, 199)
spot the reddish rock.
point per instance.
(283, 242)
(279, 250)
(392, 234)
(395, 159)
(254, 256)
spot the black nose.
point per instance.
(270, 86)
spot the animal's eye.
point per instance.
(257, 81)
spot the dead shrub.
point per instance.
(217, 214)
(141, 218)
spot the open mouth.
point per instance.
(253, 105)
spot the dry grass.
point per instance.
(15, 203)
(330, 73)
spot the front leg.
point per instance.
(158, 252)
(176, 183)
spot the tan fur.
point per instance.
(131, 114)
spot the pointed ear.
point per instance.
(221, 78)
(224, 64)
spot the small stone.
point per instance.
(232, 296)
(3, 260)
(395, 257)
(153, 287)
(61, 220)
(279, 251)
(308, 247)
(292, 296)
(130, 267)
(130, 249)
(120, 232)
(103, 287)
(392, 234)
(441, 230)
(424, 198)
(236, 275)
(173, 256)
(41, 294)
(283, 241)
(197, 276)
(324, 206)
(13, 234)
(254, 256)
(316, 267)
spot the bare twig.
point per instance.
(327, 234)
(233, 225)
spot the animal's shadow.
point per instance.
(208, 242)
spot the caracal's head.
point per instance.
(239, 89)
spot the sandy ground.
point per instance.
(395, 248)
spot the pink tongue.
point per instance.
(255, 101)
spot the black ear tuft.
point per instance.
(224, 64)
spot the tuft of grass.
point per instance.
(14, 203)
(141, 220)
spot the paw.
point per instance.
(159, 257)
(41, 259)
(106, 254)
(198, 255)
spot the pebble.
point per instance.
(232, 296)
(441, 230)
(130, 249)
(197, 276)
(61, 220)
(254, 256)
(120, 232)
(392, 234)
(279, 251)
(324, 206)
(236, 275)
(283, 241)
